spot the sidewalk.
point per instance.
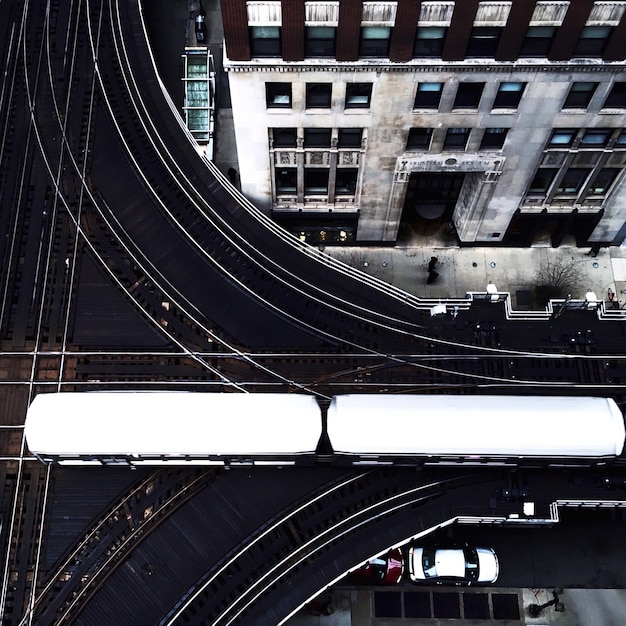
(461, 270)
(582, 607)
(464, 270)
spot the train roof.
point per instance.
(475, 425)
(172, 423)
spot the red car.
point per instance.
(382, 570)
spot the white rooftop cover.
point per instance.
(173, 423)
(475, 425)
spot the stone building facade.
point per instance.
(502, 121)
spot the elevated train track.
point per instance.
(91, 160)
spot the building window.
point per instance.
(483, 41)
(493, 138)
(429, 42)
(456, 139)
(419, 138)
(286, 181)
(284, 137)
(349, 137)
(562, 137)
(265, 41)
(573, 180)
(320, 41)
(509, 95)
(592, 41)
(316, 181)
(317, 137)
(538, 41)
(603, 180)
(579, 95)
(621, 139)
(596, 137)
(278, 95)
(468, 95)
(428, 95)
(318, 95)
(617, 97)
(358, 95)
(345, 181)
(374, 41)
(542, 180)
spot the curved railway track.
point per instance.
(183, 323)
(299, 540)
(340, 517)
(96, 166)
(118, 531)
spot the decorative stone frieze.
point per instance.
(320, 158)
(418, 66)
(447, 162)
(285, 158)
(348, 158)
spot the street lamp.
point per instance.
(534, 610)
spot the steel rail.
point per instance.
(156, 282)
(21, 40)
(319, 542)
(60, 195)
(272, 226)
(189, 598)
(230, 235)
(317, 355)
(118, 544)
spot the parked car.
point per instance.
(459, 565)
(382, 570)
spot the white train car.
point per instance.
(498, 430)
(152, 428)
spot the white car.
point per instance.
(460, 566)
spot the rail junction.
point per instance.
(129, 263)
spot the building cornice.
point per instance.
(273, 65)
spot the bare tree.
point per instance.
(555, 278)
(558, 273)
